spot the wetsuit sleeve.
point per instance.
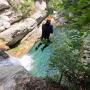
(42, 31)
(51, 31)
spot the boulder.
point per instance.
(7, 18)
(15, 77)
(4, 4)
(17, 31)
(2, 28)
(21, 80)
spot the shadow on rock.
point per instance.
(3, 54)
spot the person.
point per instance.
(47, 29)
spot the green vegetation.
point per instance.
(23, 7)
(67, 58)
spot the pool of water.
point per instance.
(36, 62)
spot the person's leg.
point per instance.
(38, 46)
(46, 45)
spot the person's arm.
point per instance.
(51, 31)
(51, 35)
(42, 31)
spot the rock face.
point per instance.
(17, 31)
(12, 32)
(14, 77)
(21, 80)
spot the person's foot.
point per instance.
(36, 48)
(42, 49)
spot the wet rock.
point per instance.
(21, 80)
(3, 55)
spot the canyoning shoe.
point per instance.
(36, 48)
(42, 49)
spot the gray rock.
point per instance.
(6, 24)
(10, 16)
(10, 76)
(15, 17)
(2, 28)
(17, 31)
(4, 4)
(4, 18)
(3, 55)
(17, 78)
(4, 21)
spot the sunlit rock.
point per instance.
(17, 31)
(2, 28)
(4, 4)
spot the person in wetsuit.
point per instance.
(47, 29)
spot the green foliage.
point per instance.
(66, 60)
(23, 7)
(76, 11)
(55, 4)
(67, 56)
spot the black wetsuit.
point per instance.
(46, 30)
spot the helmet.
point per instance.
(49, 18)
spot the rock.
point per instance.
(4, 18)
(10, 76)
(17, 31)
(0, 23)
(4, 21)
(4, 4)
(3, 55)
(15, 18)
(2, 28)
(3, 45)
(6, 25)
(15, 77)
(40, 5)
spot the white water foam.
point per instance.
(27, 62)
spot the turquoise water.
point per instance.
(37, 62)
(40, 60)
